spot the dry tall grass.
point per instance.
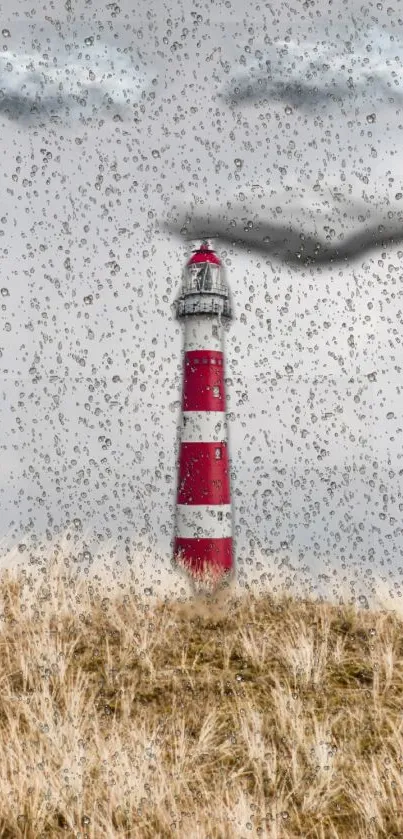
(248, 716)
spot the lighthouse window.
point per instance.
(218, 454)
(219, 516)
(215, 330)
(216, 390)
(213, 361)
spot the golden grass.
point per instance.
(223, 717)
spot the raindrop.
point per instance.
(238, 163)
(89, 41)
(6, 33)
(5, 292)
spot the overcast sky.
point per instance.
(118, 125)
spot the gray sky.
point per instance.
(116, 123)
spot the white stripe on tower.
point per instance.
(199, 334)
(207, 426)
(210, 522)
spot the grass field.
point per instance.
(242, 715)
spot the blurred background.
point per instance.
(124, 132)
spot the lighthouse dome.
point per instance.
(204, 289)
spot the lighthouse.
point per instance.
(203, 543)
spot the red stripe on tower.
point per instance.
(202, 552)
(203, 537)
(203, 382)
(203, 474)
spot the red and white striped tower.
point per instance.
(203, 532)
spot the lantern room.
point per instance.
(204, 288)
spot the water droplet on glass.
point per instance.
(238, 163)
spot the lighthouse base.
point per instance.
(207, 561)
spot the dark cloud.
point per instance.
(287, 243)
(316, 72)
(26, 109)
(100, 78)
(296, 94)
(300, 94)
